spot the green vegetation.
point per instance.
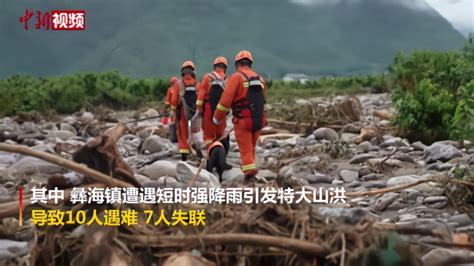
(69, 93)
(147, 38)
(434, 94)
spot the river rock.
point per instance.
(441, 152)
(407, 217)
(418, 146)
(442, 256)
(369, 177)
(10, 249)
(159, 169)
(360, 158)
(348, 176)
(151, 113)
(235, 172)
(460, 219)
(62, 134)
(364, 146)
(142, 179)
(364, 171)
(326, 133)
(4, 194)
(267, 174)
(404, 158)
(394, 142)
(154, 144)
(29, 166)
(436, 202)
(350, 216)
(186, 172)
(69, 128)
(319, 178)
(385, 200)
(7, 160)
(86, 118)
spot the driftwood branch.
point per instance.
(78, 168)
(294, 245)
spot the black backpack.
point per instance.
(216, 90)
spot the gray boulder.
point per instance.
(440, 152)
(159, 169)
(186, 172)
(10, 249)
(326, 133)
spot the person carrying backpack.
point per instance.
(183, 105)
(245, 95)
(212, 87)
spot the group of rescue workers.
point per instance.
(243, 93)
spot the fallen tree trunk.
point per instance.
(294, 245)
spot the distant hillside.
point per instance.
(152, 37)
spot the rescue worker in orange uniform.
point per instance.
(212, 87)
(169, 120)
(245, 95)
(183, 105)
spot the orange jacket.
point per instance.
(205, 87)
(234, 92)
(188, 80)
(169, 92)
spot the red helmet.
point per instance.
(188, 64)
(244, 54)
(173, 80)
(220, 60)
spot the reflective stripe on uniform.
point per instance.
(249, 167)
(173, 107)
(190, 88)
(256, 82)
(222, 108)
(183, 150)
(245, 84)
(198, 102)
(218, 82)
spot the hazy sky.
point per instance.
(459, 12)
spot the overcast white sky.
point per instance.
(459, 12)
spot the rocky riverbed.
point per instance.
(360, 155)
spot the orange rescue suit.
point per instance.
(211, 132)
(188, 95)
(235, 93)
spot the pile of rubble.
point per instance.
(407, 203)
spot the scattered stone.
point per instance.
(326, 133)
(151, 113)
(442, 256)
(385, 200)
(418, 146)
(87, 117)
(4, 194)
(440, 152)
(267, 174)
(445, 167)
(407, 217)
(394, 142)
(337, 182)
(364, 171)
(404, 158)
(351, 128)
(364, 147)
(361, 158)
(10, 249)
(319, 178)
(350, 216)
(186, 172)
(29, 166)
(69, 128)
(235, 172)
(369, 177)
(154, 144)
(390, 162)
(348, 176)
(62, 134)
(436, 202)
(460, 219)
(159, 169)
(7, 160)
(142, 179)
